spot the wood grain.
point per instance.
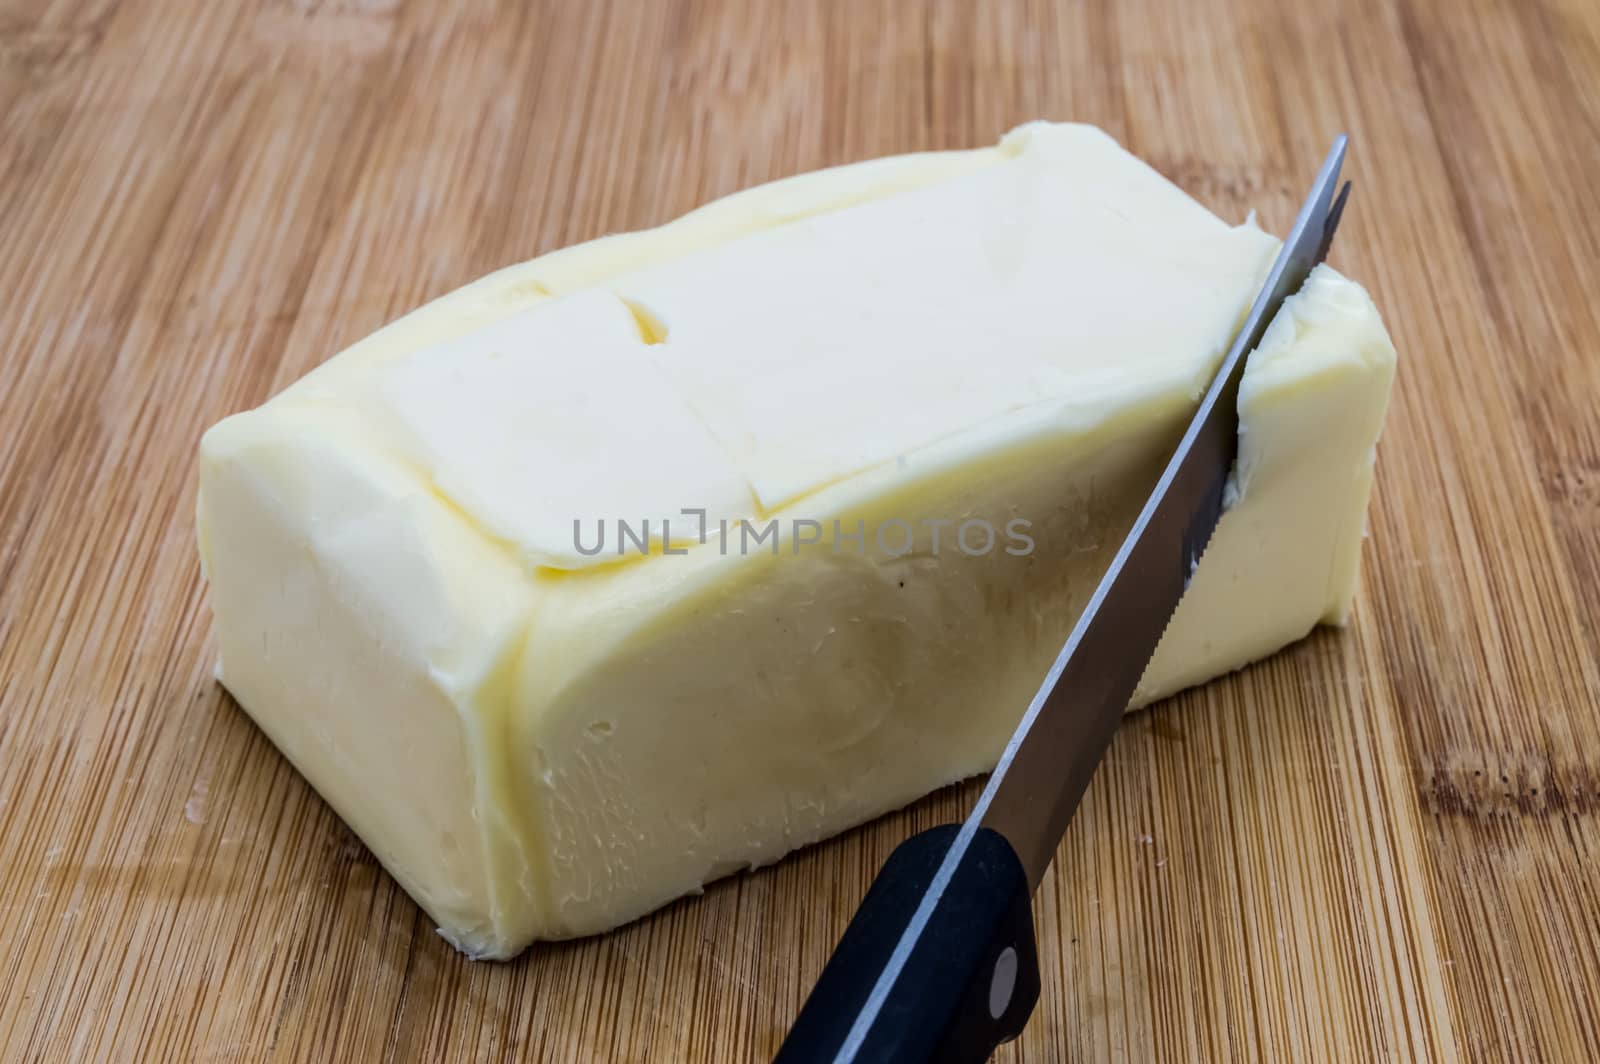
(1382, 844)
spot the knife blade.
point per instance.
(939, 963)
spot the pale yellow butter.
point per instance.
(542, 741)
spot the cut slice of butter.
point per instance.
(885, 425)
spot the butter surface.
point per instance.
(540, 741)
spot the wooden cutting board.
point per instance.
(1384, 842)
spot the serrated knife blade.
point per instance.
(1052, 755)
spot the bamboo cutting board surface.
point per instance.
(1384, 843)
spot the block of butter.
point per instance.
(653, 559)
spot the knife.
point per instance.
(939, 962)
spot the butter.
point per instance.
(885, 425)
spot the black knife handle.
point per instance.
(970, 981)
